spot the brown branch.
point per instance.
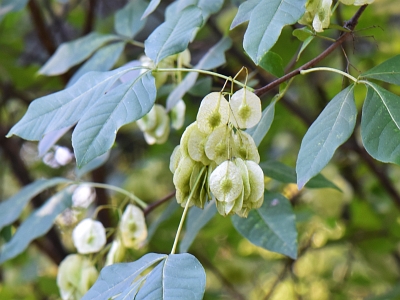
(351, 24)
(156, 204)
(90, 17)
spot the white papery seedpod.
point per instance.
(322, 18)
(256, 179)
(226, 183)
(76, 274)
(89, 236)
(213, 112)
(149, 121)
(218, 143)
(245, 147)
(182, 174)
(175, 159)
(133, 227)
(178, 115)
(196, 142)
(116, 253)
(245, 109)
(185, 138)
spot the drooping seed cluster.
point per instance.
(216, 157)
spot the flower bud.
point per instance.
(76, 274)
(213, 112)
(89, 236)
(245, 109)
(133, 227)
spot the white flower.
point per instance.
(76, 274)
(89, 236)
(133, 227)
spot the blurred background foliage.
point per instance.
(348, 240)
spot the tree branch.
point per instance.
(156, 204)
(351, 24)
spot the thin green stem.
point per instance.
(302, 72)
(178, 232)
(135, 43)
(139, 201)
(203, 72)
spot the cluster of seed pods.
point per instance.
(217, 158)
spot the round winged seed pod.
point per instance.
(244, 147)
(178, 115)
(226, 183)
(218, 143)
(133, 227)
(76, 274)
(185, 138)
(149, 121)
(213, 112)
(89, 236)
(176, 157)
(245, 176)
(196, 142)
(245, 108)
(116, 253)
(256, 179)
(182, 174)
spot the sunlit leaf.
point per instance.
(283, 173)
(330, 130)
(179, 276)
(36, 225)
(388, 71)
(114, 279)
(272, 226)
(128, 20)
(174, 35)
(380, 124)
(259, 131)
(272, 63)
(267, 19)
(72, 53)
(97, 129)
(64, 108)
(214, 58)
(151, 7)
(102, 60)
(196, 220)
(244, 12)
(11, 208)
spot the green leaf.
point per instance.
(380, 124)
(93, 165)
(72, 53)
(214, 58)
(302, 33)
(114, 279)
(272, 226)
(49, 140)
(96, 131)
(179, 276)
(128, 20)
(259, 131)
(283, 173)
(330, 130)
(196, 220)
(266, 22)
(174, 35)
(304, 46)
(11, 208)
(272, 63)
(244, 12)
(151, 7)
(388, 71)
(7, 6)
(36, 225)
(64, 108)
(207, 7)
(103, 60)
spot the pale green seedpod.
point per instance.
(149, 121)
(197, 188)
(256, 179)
(182, 174)
(213, 112)
(116, 253)
(322, 18)
(185, 138)
(178, 115)
(218, 143)
(245, 109)
(245, 176)
(175, 159)
(362, 2)
(244, 147)
(133, 227)
(196, 142)
(311, 10)
(181, 197)
(226, 183)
